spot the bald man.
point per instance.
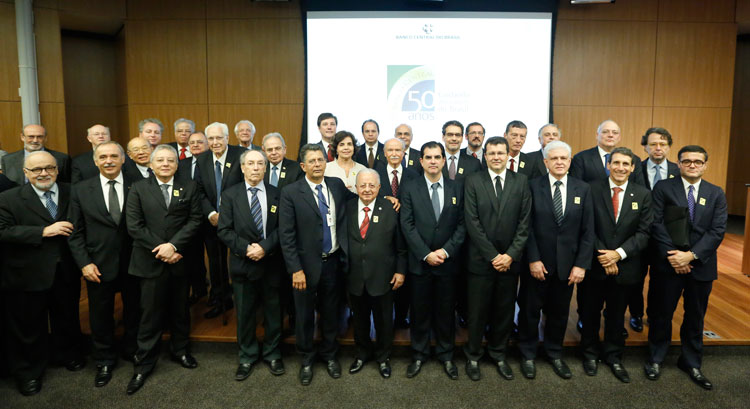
(83, 165)
(34, 138)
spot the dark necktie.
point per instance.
(255, 210)
(365, 223)
(498, 188)
(182, 153)
(394, 183)
(323, 208)
(657, 175)
(512, 167)
(370, 160)
(436, 200)
(50, 204)
(274, 177)
(165, 193)
(616, 200)
(606, 161)
(150, 172)
(691, 202)
(217, 179)
(452, 169)
(557, 203)
(114, 202)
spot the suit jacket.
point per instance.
(587, 166)
(30, 261)
(496, 227)
(83, 167)
(533, 165)
(362, 152)
(237, 230)
(230, 176)
(177, 148)
(385, 179)
(13, 166)
(706, 230)
(424, 234)
(5, 183)
(465, 151)
(672, 171)
(130, 169)
(289, 173)
(151, 223)
(325, 152)
(96, 238)
(185, 169)
(374, 259)
(631, 231)
(571, 244)
(301, 226)
(413, 163)
(466, 166)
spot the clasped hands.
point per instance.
(167, 253)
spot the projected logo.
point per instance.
(411, 89)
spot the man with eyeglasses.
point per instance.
(475, 139)
(139, 152)
(690, 218)
(34, 137)
(183, 128)
(38, 276)
(458, 165)
(83, 164)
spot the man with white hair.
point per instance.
(218, 169)
(535, 160)
(83, 166)
(280, 171)
(244, 130)
(34, 138)
(183, 128)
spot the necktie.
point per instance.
(498, 188)
(436, 200)
(50, 204)
(403, 162)
(274, 177)
(616, 200)
(657, 175)
(557, 203)
(691, 202)
(323, 208)
(182, 153)
(474, 154)
(365, 223)
(195, 166)
(150, 172)
(606, 161)
(217, 179)
(512, 167)
(452, 168)
(370, 159)
(114, 202)
(256, 211)
(330, 153)
(394, 183)
(165, 193)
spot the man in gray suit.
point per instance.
(33, 137)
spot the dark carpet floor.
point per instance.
(211, 385)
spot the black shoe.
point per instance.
(696, 375)
(334, 368)
(75, 365)
(187, 361)
(356, 366)
(504, 370)
(305, 374)
(528, 369)
(243, 371)
(413, 369)
(652, 371)
(385, 369)
(450, 370)
(590, 367)
(216, 311)
(625, 333)
(103, 375)
(561, 368)
(637, 324)
(620, 373)
(276, 366)
(579, 326)
(31, 387)
(472, 370)
(136, 382)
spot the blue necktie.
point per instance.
(256, 211)
(323, 207)
(274, 178)
(691, 202)
(657, 175)
(606, 161)
(51, 206)
(217, 176)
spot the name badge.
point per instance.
(454, 199)
(577, 200)
(411, 162)
(282, 175)
(671, 176)
(273, 208)
(374, 219)
(176, 193)
(635, 206)
(521, 164)
(460, 171)
(229, 165)
(331, 221)
(702, 201)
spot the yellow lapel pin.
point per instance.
(229, 165)
(460, 171)
(577, 200)
(273, 208)
(374, 219)
(702, 201)
(634, 206)
(176, 193)
(521, 164)
(411, 162)
(454, 199)
(282, 175)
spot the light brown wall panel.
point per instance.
(171, 9)
(283, 118)
(49, 55)
(708, 127)
(166, 62)
(578, 124)
(604, 63)
(255, 61)
(10, 126)
(121, 79)
(251, 9)
(167, 114)
(8, 54)
(695, 64)
(122, 134)
(53, 119)
(91, 8)
(641, 10)
(738, 173)
(693, 11)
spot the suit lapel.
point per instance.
(307, 196)
(97, 195)
(627, 203)
(424, 195)
(156, 192)
(177, 193)
(508, 191)
(489, 189)
(704, 196)
(448, 196)
(605, 196)
(570, 200)
(33, 203)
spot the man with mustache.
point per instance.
(475, 139)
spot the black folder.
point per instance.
(676, 220)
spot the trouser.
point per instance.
(325, 295)
(381, 308)
(101, 310)
(432, 310)
(248, 297)
(599, 292)
(491, 300)
(551, 296)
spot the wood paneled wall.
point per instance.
(644, 63)
(738, 171)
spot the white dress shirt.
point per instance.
(261, 199)
(187, 151)
(223, 161)
(696, 185)
(516, 162)
(118, 188)
(361, 213)
(399, 172)
(563, 188)
(277, 171)
(55, 195)
(331, 209)
(620, 198)
(169, 183)
(143, 170)
(602, 156)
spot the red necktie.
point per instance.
(474, 154)
(394, 183)
(330, 153)
(512, 168)
(365, 223)
(616, 200)
(182, 153)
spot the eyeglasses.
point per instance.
(453, 135)
(139, 150)
(698, 163)
(38, 171)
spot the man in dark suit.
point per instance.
(515, 133)
(535, 160)
(475, 139)
(5, 184)
(559, 249)
(101, 249)
(411, 155)
(37, 275)
(656, 142)
(497, 208)
(622, 219)
(162, 214)
(139, 152)
(312, 230)
(432, 221)
(377, 267)
(218, 169)
(371, 152)
(327, 123)
(244, 130)
(458, 165)
(183, 128)
(687, 271)
(280, 171)
(248, 226)
(33, 137)
(83, 166)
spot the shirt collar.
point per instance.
(440, 182)
(501, 174)
(313, 186)
(391, 169)
(602, 152)
(261, 187)
(515, 158)
(361, 205)
(40, 193)
(612, 185)
(222, 158)
(170, 182)
(552, 180)
(685, 184)
(119, 179)
(650, 164)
